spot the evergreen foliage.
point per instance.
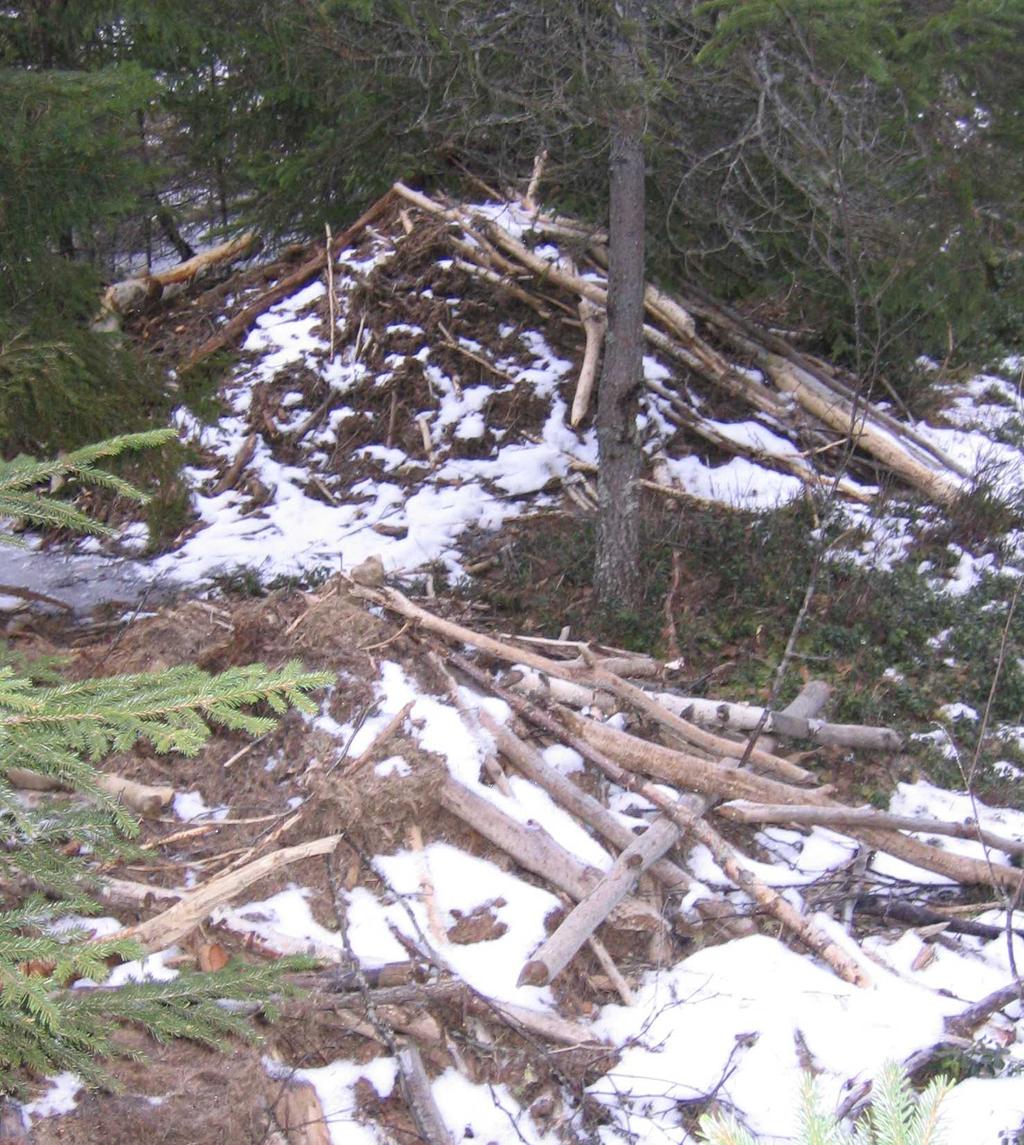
(52, 852)
(897, 1116)
(68, 169)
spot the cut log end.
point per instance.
(534, 973)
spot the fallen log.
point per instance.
(120, 297)
(173, 924)
(594, 324)
(842, 416)
(585, 807)
(147, 801)
(650, 706)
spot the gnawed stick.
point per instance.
(683, 815)
(173, 924)
(682, 769)
(574, 799)
(688, 818)
(533, 683)
(745, 717)
(508, 653)
(841, 817)
(713, 909)
(419, 1098)
(699, 775)
(391, 728)
(534, 850)
(649, 705)
(967, 1021)
(594, 323)
(147, 801)
(615, 975)
(771, 901)
(558, 949)
(241, 322)
(234, 470)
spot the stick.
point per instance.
(534, 850)
(147, 801)
(594, 324)
(742, 812)
(173, 924)
(234, 470)
(558, 949)
(762, 760)
(419, 1098)
(530, 198)
(626, 995)
(390, 728)
(533, 765)
(746, 717)
(332, 301)
(699, 775)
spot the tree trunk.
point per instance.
(617, 572)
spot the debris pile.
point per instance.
(541, 881)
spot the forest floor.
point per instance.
(433, 436)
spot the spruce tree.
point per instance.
(52, 852)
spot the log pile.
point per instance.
(703, 777)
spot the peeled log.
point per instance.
(839, 415)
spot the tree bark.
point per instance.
(617, 572)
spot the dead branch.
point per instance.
(419, 1098)
(594, 324)
(759, 759)
(746, 717)
(585, 807)
(534, 850)
(234, 470)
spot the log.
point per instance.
(759, 759)
(585, 807)
(559, 948)
(746, 717)
(867, 817)
(120, 297)
(147, 801)
(840, 415)
(695, 774)
(534, 850)
(682, 769)
(770, 900)
(240, 324)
